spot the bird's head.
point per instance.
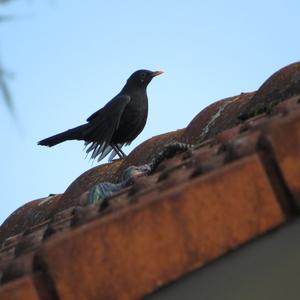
(141, 78)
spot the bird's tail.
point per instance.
(76, 133)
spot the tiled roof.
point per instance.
(234, 176)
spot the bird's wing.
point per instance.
(105, 121)
(117, 104)
(103, 124)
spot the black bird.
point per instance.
(119, 122)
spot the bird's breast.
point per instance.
(133, 120)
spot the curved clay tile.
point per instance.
(251, 182)
(145, 152)
(84, 182)
(282, 85)
(217, 117)
(221, 115)
(28, 215)
(38, 211)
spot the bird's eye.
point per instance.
(143, 76)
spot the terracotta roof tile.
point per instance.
(225, 179)
(33, 287)
(217, 117)
(191, 216)
(145, 152)
(22, 289)
(71, 196)
(284, 136)
(18, 267)
(282, 85)
(28, 215)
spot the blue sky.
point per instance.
(68, 58)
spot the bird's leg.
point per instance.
(120, 153)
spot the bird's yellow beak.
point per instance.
(156, 73)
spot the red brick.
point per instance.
(130, 253)
(284, 135)
(20, 289)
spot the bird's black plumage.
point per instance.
(119, 122)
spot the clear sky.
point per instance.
(68, 58)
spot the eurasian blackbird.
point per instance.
(119, 122)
